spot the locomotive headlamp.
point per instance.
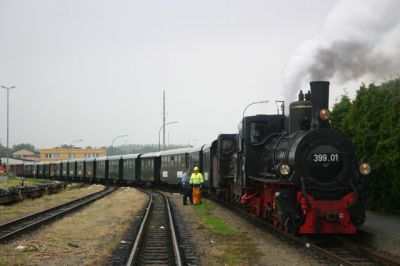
(365, 169)
(324, 114)
(284, 169)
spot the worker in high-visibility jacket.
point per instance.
(196, 181)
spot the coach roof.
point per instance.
(114, 157)
(130, 156)
(149, 155)
(176, 151)
(100, 159)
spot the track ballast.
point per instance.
(28, 223)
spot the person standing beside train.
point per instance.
(196, 181)
(186, 189)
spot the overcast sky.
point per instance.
(96, 69)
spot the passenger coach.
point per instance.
(150, 168)
(101, 169)
(130, 168)
(173, 164)
(90, 169)
(114, 169)
(80, 169)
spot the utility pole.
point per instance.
(163, 120)
(8, 118)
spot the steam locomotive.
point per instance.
(304, 179)
(295, 172)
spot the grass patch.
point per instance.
(204, 208)
(215, 224)
(218, 226)
(16, 181)
(229, 245)
(237, 257)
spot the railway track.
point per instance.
(156, 242)
(343, 252)
(28, 223)
(336, 249)
(152, 239)
(157, 236)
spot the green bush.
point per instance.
(372, 121)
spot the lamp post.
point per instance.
(114, 139)
(72, 143)
(8, 119)
(244, 111)
(159, 131)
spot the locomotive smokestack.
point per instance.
(319, 99)
(301, 96)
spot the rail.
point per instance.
(338, 250)
(156, 239)
(30, 222)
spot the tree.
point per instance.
(23, 146)
(340, 113)
(372, 121)
(4, 152)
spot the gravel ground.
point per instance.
(87, 237)
(248, 245)
(28, 206)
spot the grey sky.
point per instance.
(96, 69)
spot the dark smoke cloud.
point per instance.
(350, 60)
(359, 41)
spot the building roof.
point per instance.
(11, 161)
(23, 152)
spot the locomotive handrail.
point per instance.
(355, 191)
(278, 181)
(267, 137)
(276, 143)
(303, 190)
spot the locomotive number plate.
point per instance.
(326, 157)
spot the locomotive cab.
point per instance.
(254, 133)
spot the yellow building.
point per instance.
(58, 154)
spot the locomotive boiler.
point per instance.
(299, 173)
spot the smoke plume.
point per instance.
(359, 40)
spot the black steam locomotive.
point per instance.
(299, 173)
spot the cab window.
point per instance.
(258, 131)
